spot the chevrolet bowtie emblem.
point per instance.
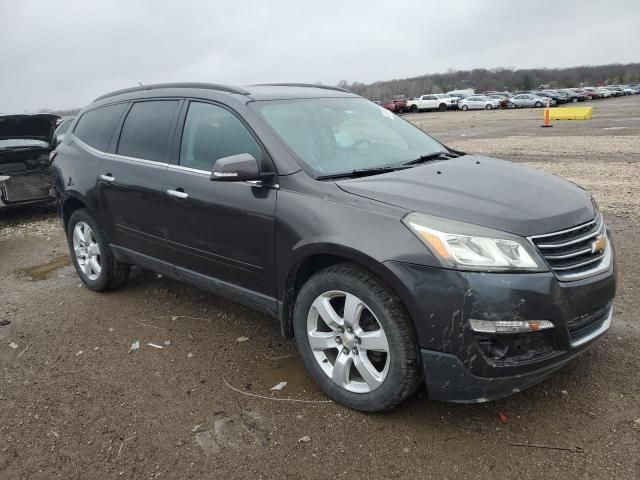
(599, 245)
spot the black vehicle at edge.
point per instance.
(393, 260)
(26, 140)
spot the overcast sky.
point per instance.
(64, 53)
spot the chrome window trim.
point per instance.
(154, 163)
(596, 333)
(115, 156)
(189, 169)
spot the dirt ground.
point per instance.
(76, 403)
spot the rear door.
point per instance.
(130, 180)
(219, 230)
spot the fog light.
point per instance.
(509, 326)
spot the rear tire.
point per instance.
(91, 254)
(538, 104)
(489, 107)
(377, 339)
(442, 107)
(465, 108)
(413, 109)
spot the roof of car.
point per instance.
(273, 91)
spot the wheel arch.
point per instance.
(313, 258)
(72, 202)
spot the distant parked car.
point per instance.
(605, 92)
(478, 102)
(493, 92)
(463, 93)
(502, 98)
(547, 97)
(592, 92)
(396, 106)
(582, 94)
(526, 100)
(559, 97)
(436, 101)
(573, 96)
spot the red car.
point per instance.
(396, 106)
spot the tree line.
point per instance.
(500, 78)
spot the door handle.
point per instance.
(107, 178)
(178, 193)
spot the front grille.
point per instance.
(584, 325)
(575, 251)
(32, 186)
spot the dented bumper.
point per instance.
(466, 366)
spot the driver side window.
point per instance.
(212, 132)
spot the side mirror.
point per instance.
(238, 168)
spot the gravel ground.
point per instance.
(75, 402)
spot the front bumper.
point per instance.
(449, 380)
(465, 366)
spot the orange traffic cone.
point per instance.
(546, 119)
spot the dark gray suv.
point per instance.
(392, 259)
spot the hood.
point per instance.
(483, 191)
(38, 126)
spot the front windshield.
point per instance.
(22, 142)
(339, 135)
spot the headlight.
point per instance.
(466, 246)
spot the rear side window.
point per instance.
(212, 132)
(96, 127)
(145, 133)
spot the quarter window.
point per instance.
(145, 133)
(212, 132)
(96, 127)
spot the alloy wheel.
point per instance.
(348, 341)
(87, 250)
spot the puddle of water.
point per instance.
(288, 369)
(42, 272)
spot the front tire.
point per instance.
(489, 106)
(465, 108)
(91, 255)
(356, 339)
(538, 104)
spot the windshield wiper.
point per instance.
(431, 156)
(363, 172)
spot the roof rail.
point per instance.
(207, 86)
(304, 85)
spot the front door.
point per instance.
(130, 182)
(218, 230)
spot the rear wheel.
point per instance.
(356, 340)
(91, 255)
(538, 104)
(413, 109)
(465, 107)
(442, 107)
